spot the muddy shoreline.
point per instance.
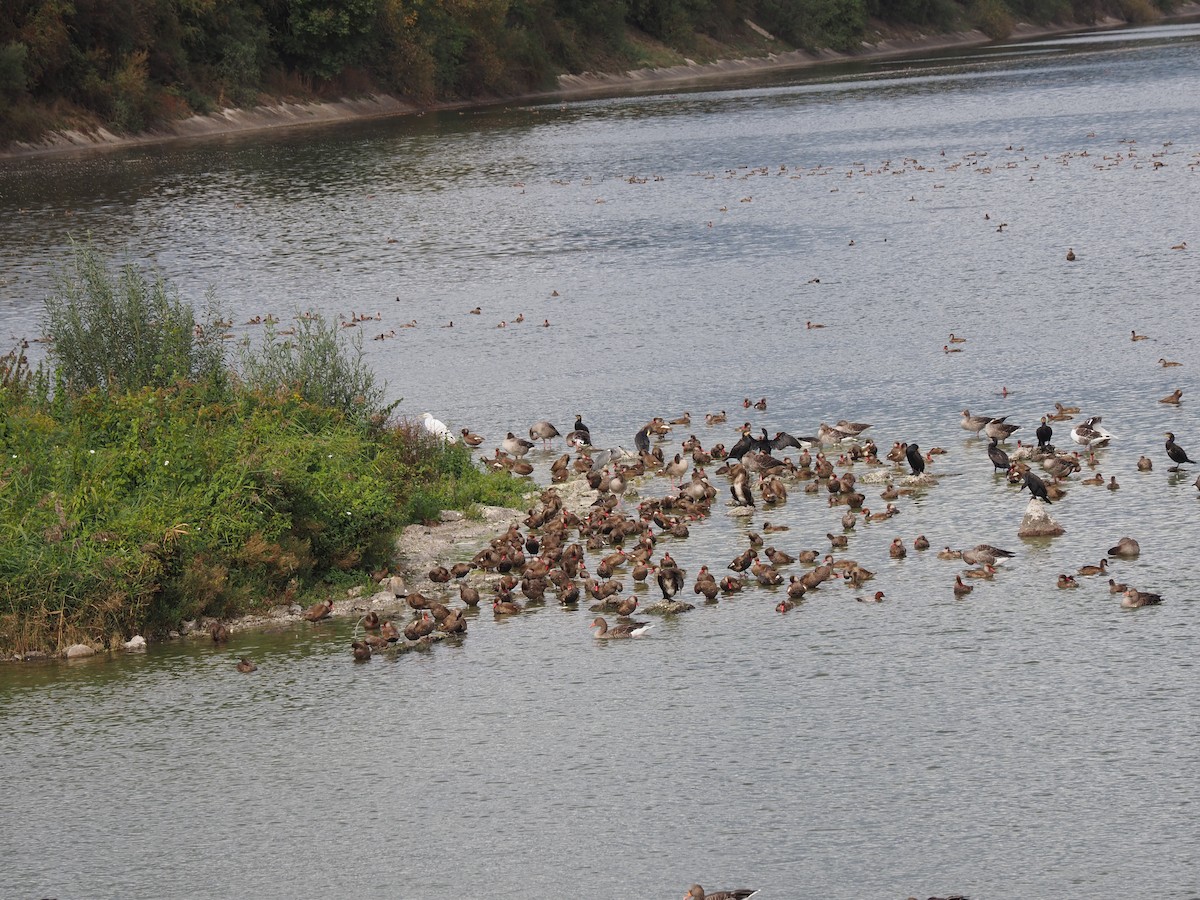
(295, 115)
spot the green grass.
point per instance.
(164, 489)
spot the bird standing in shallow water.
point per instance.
(1177, 454)
(998, 457)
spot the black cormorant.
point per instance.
(913, 454)
(1044, 433)
(1037, 487)
(1178, 454)
(998, 457)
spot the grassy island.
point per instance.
(154, 471)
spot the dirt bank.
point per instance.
(291, 115)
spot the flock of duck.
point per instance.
(585, 554)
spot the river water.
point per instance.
(1024, 742)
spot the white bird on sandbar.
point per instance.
(437, 428)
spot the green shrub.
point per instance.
(124, 331)
(993, 18)
(317, 364)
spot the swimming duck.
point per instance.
(1070, 255)
(361, 650)
(624, 630)
(1096, 479)
(985, 571)
(471, 439)
(695, 892)
(877, 597)
(1135, 599)
(715, 418)
(506, 607)
(1091, 434)
(778, 557)
(220, 634)
(1134, 336)
(785, 605)
(896, 550)
(1126, 548)
(244, 665)
(1173, 398)
(1112, 484)
(1116, 587)
(1167, 364)
(946, 348)
(961, 589)
(957, 340)
(920, 542)
(1090, 570)
(1067, 581)
(371, 621)
(318, 611)
(838, 541)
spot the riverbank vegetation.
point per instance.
(131, 65)
(149, 479)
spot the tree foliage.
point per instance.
(136, 63)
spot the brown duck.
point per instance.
(319, 611)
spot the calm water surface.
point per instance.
(1026, 742)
